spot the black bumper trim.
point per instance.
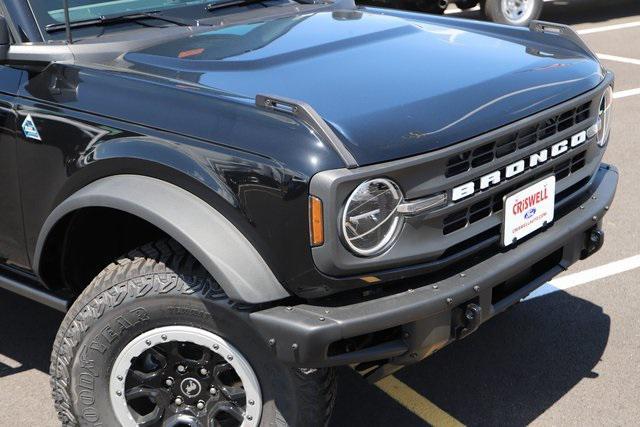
(301, 335)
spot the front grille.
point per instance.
(486, 153)
(493, 204)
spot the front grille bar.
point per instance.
(486, 153)
(493, 204)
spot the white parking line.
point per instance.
(453, 9)
(609, 28)
(587, 276)
(633, 61)
(618, 59)
(6, 360)
(625, 93)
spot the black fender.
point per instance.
(212, 239)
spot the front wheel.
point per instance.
(153, 341)
(513, 12)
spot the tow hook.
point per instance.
(472, 319)
(595, 240)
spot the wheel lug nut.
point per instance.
(213, 390)
(181, 369)
(200, 405)
(203, 371)
(178, 401)
(169, 382)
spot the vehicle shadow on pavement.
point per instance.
(584, 11)
(507, 373)
(27, 333)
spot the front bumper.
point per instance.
(422, 320)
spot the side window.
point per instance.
(5, 37)
(5, 15)
(20, 21)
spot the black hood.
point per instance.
(390, 86)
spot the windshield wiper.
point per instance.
(231, 3)
(118, 19)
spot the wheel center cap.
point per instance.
(190, 387)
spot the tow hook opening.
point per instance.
(466, 318)
(595, 240)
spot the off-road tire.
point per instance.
(493, 11)
(424, 6)
(466, 4)
(157, 285)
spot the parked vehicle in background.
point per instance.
(512, 12)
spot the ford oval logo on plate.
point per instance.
(530, 213)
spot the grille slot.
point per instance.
(494, 204)
(465, 161)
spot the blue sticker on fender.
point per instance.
(29, 128)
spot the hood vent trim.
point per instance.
(307, 114)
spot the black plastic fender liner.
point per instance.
(219, 246)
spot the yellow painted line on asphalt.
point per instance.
(416, 403)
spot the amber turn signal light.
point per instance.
(316, 222)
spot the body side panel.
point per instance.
(78, 148)
(12, 244)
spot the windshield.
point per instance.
(51, 12)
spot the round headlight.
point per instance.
(370, 221)
(604, 116)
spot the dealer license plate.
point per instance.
(528, 210)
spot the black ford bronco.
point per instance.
(230, 198)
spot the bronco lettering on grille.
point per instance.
(496, 177)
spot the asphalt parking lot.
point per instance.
(568, 356)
